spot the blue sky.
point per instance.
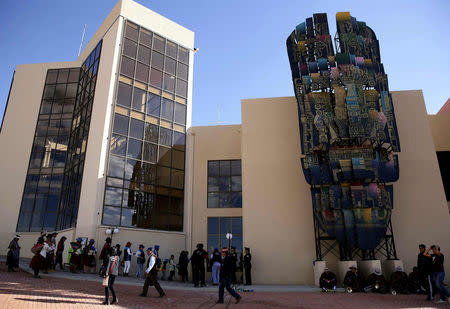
(242, 43)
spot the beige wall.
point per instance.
(420, 208)
(440, 129)
(93, 183)
(277, 213)
(210, 143)
(16, 139)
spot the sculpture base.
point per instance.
(318, 267)
(368, 267)
(389, 266)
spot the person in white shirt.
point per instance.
(127, 259)
(151, 273)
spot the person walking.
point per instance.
(216, 259)
(248, 267)
(439, 274)
(111, 272)
(13, 255)
(151, 274)
(127, 254)
(226, 277)
(105, 254)
(140, 259)
(171, 267)
(424, 265)
(60, 251)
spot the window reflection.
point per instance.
(224, 190)
(146, 154)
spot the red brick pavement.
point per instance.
(21, 290)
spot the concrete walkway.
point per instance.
(171, 285)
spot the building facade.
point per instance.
(106, 141)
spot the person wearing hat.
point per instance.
(198, 265)
(140, 258)
(216, 259)
(399, 281)
(248, 267)
(37, 262)
(352, 279)
(127, 254)
(60, 251)
(376, 282)
(151, 275)
(89, 252)
(328, 280)
(226, 273)
(13, 255)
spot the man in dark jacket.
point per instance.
(234, 258)
(328, 280)
(248, 267)
(198, 265)
(399, 281)
(106, 253)
(352, 279)
(376, 282)
(439, 274)
(226, 273)
(424, 263)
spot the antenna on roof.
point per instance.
(218, 113)
(82, 38)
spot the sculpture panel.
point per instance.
(347, 128)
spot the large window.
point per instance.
(218, 227)
(224, 184)
(73, 171)
(145, 176)
(42, 189)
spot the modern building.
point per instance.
(106, 142)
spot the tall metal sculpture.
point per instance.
(348, 134)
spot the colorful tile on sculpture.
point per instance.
(348, 132)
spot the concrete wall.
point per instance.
(210, 143)
(420, 208)
(440, 129)
(277, 211)
(16, 140)
(93, 183)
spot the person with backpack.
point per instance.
(37, 262)
(140, 257)
(127, 254)
(111, 272)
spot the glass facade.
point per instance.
(53, 147)
(218, 227)
(73, 171)
(224, 184)
(145, 175)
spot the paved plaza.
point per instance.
(65, 290)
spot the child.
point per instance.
(163, 270)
